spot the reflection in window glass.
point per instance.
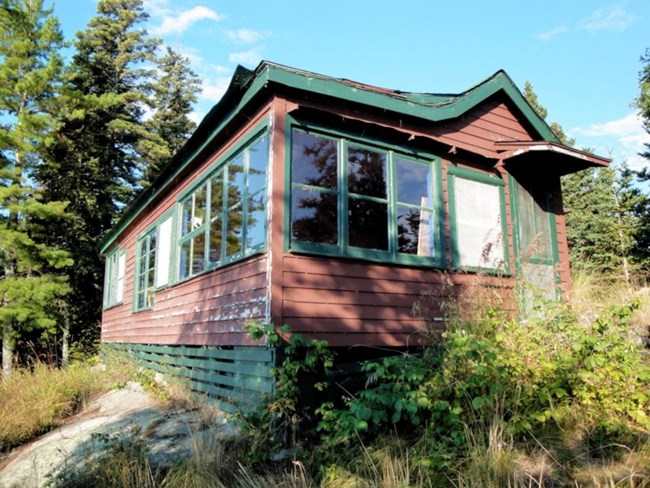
(314, 216)
(234, 231)
(213, 232)
(215, 241)
(368, 224)
(200, 207)
(367, 172)
(235, 181)
(414, 231)
(256, 222)
(146, 269)
(413, 182)
(257, 159)
(313, 160)
(198, 253)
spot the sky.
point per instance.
(582, 57)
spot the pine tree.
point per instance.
(94, 156)
(30, 69)
(174, 92)
(606, 211)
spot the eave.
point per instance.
(552, 156)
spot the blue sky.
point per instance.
(582, 56)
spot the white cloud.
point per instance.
(621, 139)
(196, 117)
(214, 90)
(250, 58)
(245, 36)
(156, 8)
(548, 35)
(610, 18)
(181, 22)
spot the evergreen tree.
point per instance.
(94, 157)
(174, 92)
(30, 69)
(606, 211)
(643, 101)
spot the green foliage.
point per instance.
(30, 70)
(552, 370)
(301, 360)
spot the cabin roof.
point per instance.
(270, 77)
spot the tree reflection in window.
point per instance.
(314, 201)
(233, 225)
(361, 209)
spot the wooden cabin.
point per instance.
(333, 207)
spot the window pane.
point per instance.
(313, 160)
(415, 231)
(368, 224)
(185, 259)
(258, 156)
(235, 181)
(200, 205)
(256, 222)
(413, 183)
(366, 172)
(234, 228)
(186, 224)
(534, 224)
(314, 216)
(198, 253)
(478, 222)
(215, 241)
(216, 203)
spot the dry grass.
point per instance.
(32, 402)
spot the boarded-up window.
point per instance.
(478, 224)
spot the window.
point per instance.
(360, 200)
(224, 218)
(145, 271)
(114, 278)
(477, 221)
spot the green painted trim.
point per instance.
(474, 175)
(442, 108)
(342, 249)
(116, 254)
(247, 84)
(220, 169)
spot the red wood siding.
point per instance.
(481, 127)
(209, 309)
(354, 303)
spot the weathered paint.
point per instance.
(346, 301)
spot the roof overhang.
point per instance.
(558, 158)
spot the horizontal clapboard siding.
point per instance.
(210, 309)
(352, 303)
(235, 378)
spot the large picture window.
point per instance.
(477, 222)
(224, 218)
(114, 281)
(363, 200)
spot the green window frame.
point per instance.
(352, 197)
(145, 270)
(481, 244)
(223, 218)
(114, 278)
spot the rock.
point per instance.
(168, 433)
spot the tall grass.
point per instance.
(33, 401)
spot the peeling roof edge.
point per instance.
(245, 84)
